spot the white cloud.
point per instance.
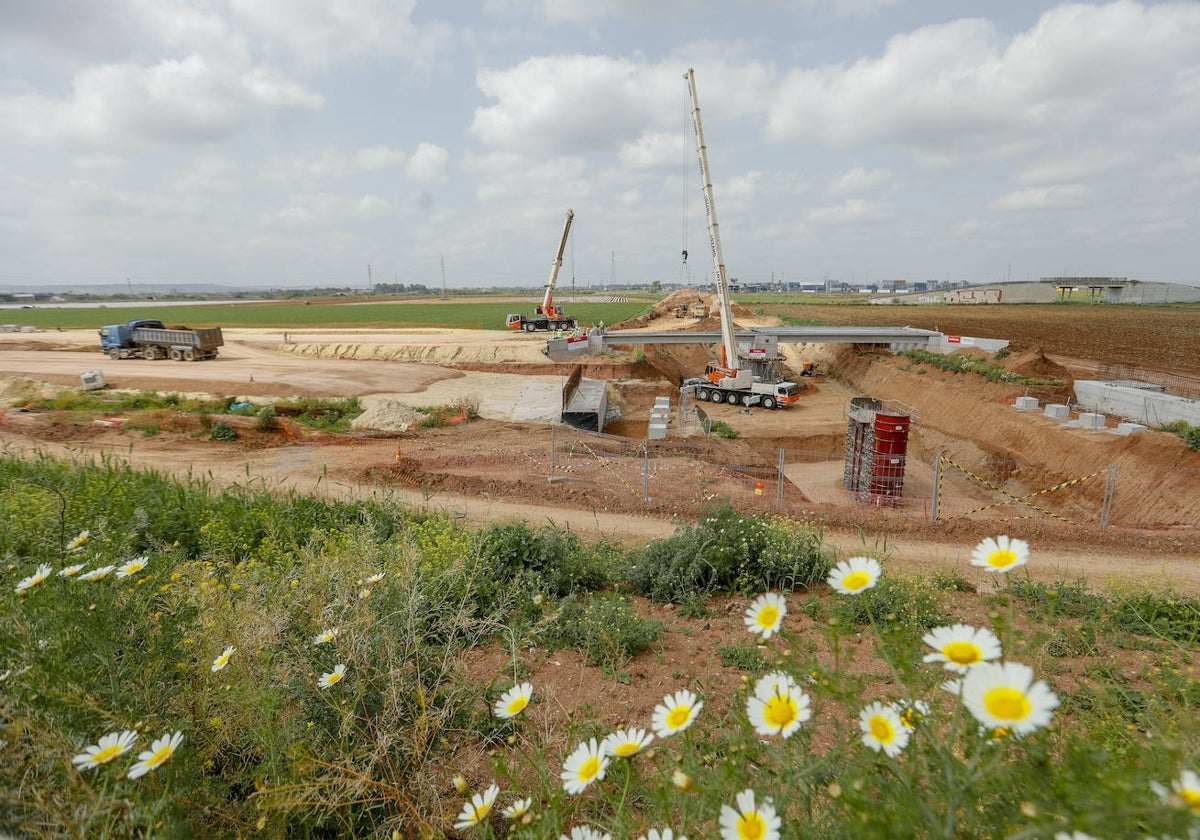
(854, 211)
(656, 150)
(378, 157)
(209, 173)
(307, 171)
(327, 210)
(428, 163)
(1044, 198)
(858, 180)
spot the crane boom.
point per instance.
(729, 346)
(548, 309)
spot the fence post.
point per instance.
(937, 487)
(551, 451)
(779, 492)
(1110, 488)
(646, 475)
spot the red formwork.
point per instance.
(888, 455)
(876, 448)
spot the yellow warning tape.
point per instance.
(1022, 500)
(605, 463)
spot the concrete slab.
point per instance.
(1137, 404)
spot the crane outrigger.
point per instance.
(549, 316)
(729, 381)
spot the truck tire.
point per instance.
(529, 326)
(150, 353)
(189, 355)
(114, 353)
(768, 403)
(701, 394)
(716, 396)
(176, 355)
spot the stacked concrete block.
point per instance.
(660, 418)
(1027, 403)
(1092, 420)
(1130, 428)
(1058, 411)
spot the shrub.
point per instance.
(550, 560)
(605, 630)
(266, 418)
(903, 603)
(222, 431)
(720, 428)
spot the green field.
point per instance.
(460, 314)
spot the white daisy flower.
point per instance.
(882, 729)
(586, 832)
(584, 766)
(223, 660)
(676, 713)
(1185, 791)
(71, 571)
(626, 743)
(513, 701)
(478, 809)
(1073, 835)
(518, 809)
(326, 636)
(960, 646)
(750, 820)
(374, 579)
(159, 752)
(855, 575)
(133, 567)
(333, 677)
(911, 712)
(765, 614)
(108, 748)
(43, 572)
(1000, 554)
(665, 834)
(778, 705)
(79, 542)
(96, 574)
(1004, 694)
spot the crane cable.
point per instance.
(686, 134)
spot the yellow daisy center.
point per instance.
(768, 616)
(517, 704)
(108, 754)
(332, 678)
(856, 580)
(780, 711)
(1001, 557)
(160, 756)
(589, 769)
(481, 812)
(881, 728)
(678, 716)
(752, 826)
(963, 653)
(628, 748)
(909, 717)
(1191, 798)
(1007, 704)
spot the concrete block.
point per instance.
(1027, 403)
(1130, 428)
(1092, 420)
(1058, 411)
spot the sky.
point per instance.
(305, 143)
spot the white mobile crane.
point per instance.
(729, 381)
(549, 316)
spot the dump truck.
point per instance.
(144, 338)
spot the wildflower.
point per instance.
(159, 752)
(778, 705)
(97, 574)
(676, 713)
(1074, 835)
(374, 579)
(852, 576)
(1004, 694)
(765, 614)
(478, 809)
(108, 748)
(43, 572)
(681, 780)
(327, 635)
(518, 809)
(363, 594)
(750, 820)
(1000, 554)
(460, 785)
(71, 571)
(882, 729)
(333, 677)
(79, 542)
(223, 660)
(626, 743)
(513, 701)
(585, 832)
(960, 646)
(133, 567)
(665, 834)
(584, 766)
(1184, 791)
(911, 712)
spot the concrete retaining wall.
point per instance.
(1152, 408)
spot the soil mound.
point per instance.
(1033, 364)
(386, 414)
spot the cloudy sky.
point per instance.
(294, 143)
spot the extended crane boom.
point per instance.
(549, 316)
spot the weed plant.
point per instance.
(1182, 429)
(958, 363)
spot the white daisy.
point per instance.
(478, 809)
(43, 572)
(855, 575)
(778, 705)
(960, 646)
(626, 743)
(911, 712)
(223, 660)
(585, 832)
(882, 729)
(333, 677)
(1000, 554)
(750, 820)
(159, 752)
(1004, 694)
(133, 566)
(676, 713)
(79, 542)
(326, 636)
(96, 574)
(1185, 791)
(374, 579)
(665, 834)
(513, 701)
(584, 766)
(518, 809)
(71, 571)
(765, 614)
(108, 748)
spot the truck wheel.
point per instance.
(768, 403)
(715, 396)
(150, 354)
(176, 355)
(114, 353)
(530, 326)
(702, 394)
(189, 355)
